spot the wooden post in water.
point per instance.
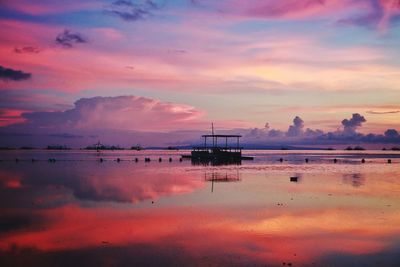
(212, 132)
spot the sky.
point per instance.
(158, 72)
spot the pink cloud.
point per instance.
(391, 8)
(289, 9)
(11, 116)
(293, 9)
(119, 113)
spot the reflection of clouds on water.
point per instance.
(92, 182)
(44, 217)
(354, 179)
(181, 236)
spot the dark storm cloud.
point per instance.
(68, 39)
(7, 74)
(130, 11)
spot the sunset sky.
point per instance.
(82, 68)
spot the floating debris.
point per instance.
(294, 179)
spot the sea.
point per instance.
(284, 208)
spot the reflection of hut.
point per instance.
(217, 177)
(221, 177)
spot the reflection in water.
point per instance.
(100, 182)
(162, 214)
(218, 177)
(355, 179)
(215, 162)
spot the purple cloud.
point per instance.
(131, 11)
(297, 128)
(391, 133)
(68, 39)
(351, 125)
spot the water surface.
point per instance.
(79, 211)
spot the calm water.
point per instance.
(79, 211)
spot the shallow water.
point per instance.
(79, 211)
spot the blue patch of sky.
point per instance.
(90, 18)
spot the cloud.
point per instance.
(129, 113)
(130, 11)
(383, 112)
(297, 136)
(27, 50)
(351, 125)
(66, 135)
(391, 133)
(7, 74)
(128, 120)
(372, 13)
(283, 8)
(297, 128)
(288, 9)
(380, 14)
(68, 39)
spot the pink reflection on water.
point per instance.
(260, 218)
